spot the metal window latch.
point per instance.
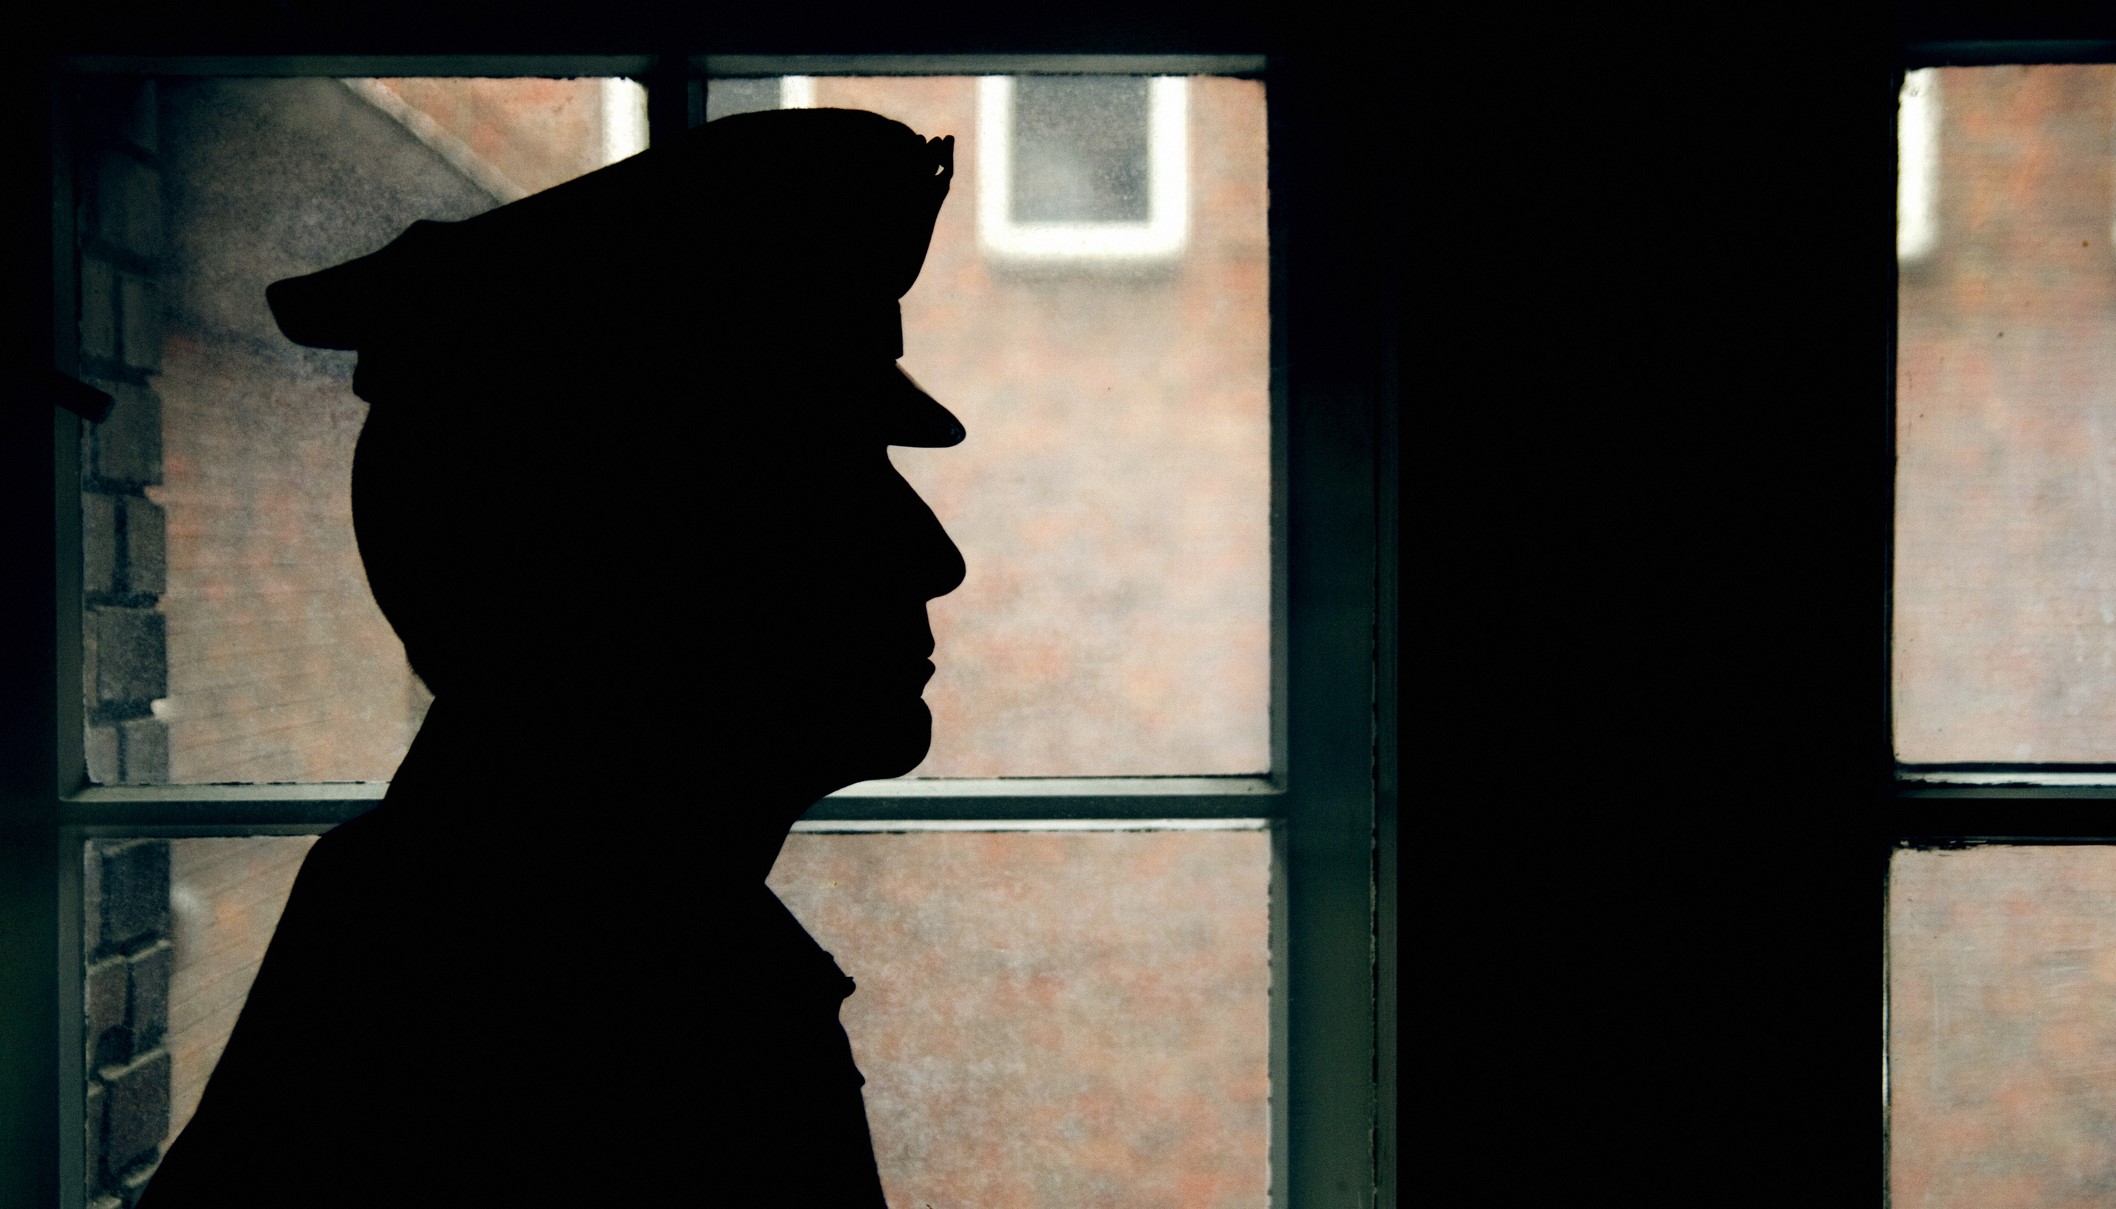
(72, 394)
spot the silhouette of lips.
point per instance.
(892, 678)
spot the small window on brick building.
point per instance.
(1082, 168)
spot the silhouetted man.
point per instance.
(624, 492)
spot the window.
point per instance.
(1284, 799)
(1082, 168)
(2000, 657)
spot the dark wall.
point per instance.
(1649, 491)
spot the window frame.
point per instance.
(1917, 197)
(1166, 229)
(1332, 899)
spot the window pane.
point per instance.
(2005, 573)
(1046, 1020)
(1112, 500)
(172, 931)
(724, 97)
(2002, 973)
(1080, 149)
(1053, 1020)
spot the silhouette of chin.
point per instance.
(870, 738)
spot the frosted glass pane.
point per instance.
(1112, 501)
(1053, 1020)
(1044, 1021)
(1082, 149)
(2002, 1027)
(725, 97)
(2005, 571)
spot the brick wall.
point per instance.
(535, 133)
(173, 932)
(126, 941)
(225, 896)
(281, 667)
(125, 908)
(1043, 1020)
(1053, 1021)
(124, 537)
(1112, 501)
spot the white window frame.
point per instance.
(1918, 165)
(1167, 226)
(624, 118)
(1323, 803)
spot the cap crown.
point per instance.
(747, 235)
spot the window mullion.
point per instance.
(675, 99)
